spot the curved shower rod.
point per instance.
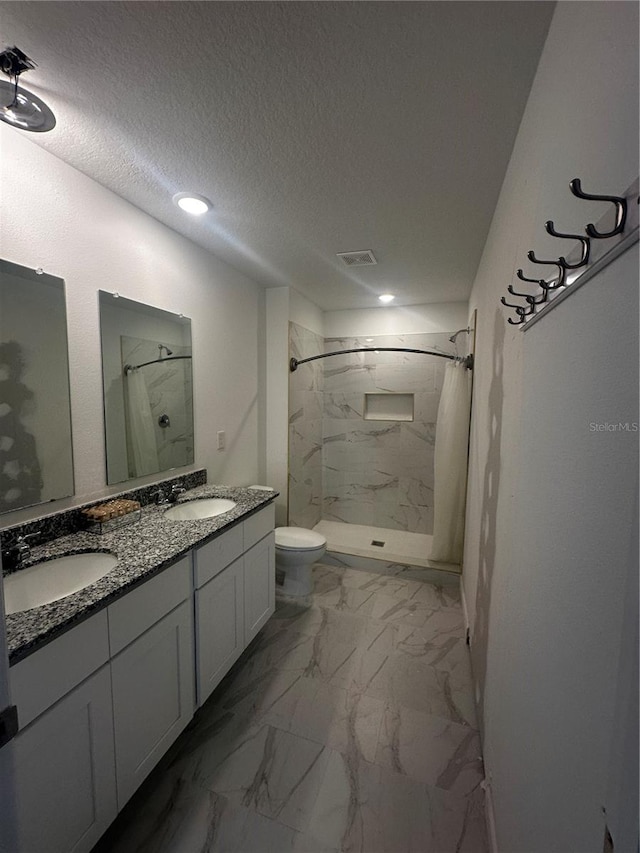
(129, 367)
(467, 361)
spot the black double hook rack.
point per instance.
(566, 272)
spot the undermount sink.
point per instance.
(54, 579)
(198, 509)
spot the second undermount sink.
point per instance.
(54, 579)
(199, 509)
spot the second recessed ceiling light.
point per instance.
(192, 203)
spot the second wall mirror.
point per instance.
(148, 388)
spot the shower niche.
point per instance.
(388, 407)
(148, 388)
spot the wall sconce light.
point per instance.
(20, 108)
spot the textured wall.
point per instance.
(76, 229)
(550, 504)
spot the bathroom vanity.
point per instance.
(106, 679)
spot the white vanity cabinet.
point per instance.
(259, 586)
(101, 704)
(64, 755)
(151, 639)
(234, 597)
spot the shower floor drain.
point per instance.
(377, 543)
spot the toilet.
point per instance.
(297, 549)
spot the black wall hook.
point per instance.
(522, 311)
(539, 281)
(531, 299)
(585, 242)
(621, 210)
(562, 273)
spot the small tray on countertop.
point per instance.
(110, 516)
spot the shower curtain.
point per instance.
(450, 474)
(141, 433)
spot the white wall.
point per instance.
(277, 402)
(396, 320)
(305, 313)
(54, 217)
(550, 510)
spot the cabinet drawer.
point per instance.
(257, 526)
(212, 558)
(141, 608)
(45, 676)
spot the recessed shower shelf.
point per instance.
(388, 406)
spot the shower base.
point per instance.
(352, 544)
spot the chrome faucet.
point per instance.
(18, 554)
(176, 491)
(160, 497)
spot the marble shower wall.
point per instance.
(305, 429)
(380, 473)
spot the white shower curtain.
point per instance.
(141, 432)
(450, 482)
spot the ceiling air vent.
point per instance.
(358, 259)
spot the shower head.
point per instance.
(163, 347)
(453, 337)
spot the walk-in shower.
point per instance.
(362, 430)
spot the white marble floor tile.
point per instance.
(336, 625)
(329, 715)
(348, 725)
(406, 611)
(363, 807)
(430, 749)
(265, 769)
(407, 681)
(441, 631)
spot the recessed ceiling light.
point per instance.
(386, 297)
(191, 203)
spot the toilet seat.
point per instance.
(298, 539)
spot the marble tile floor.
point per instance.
(399, 546)
(347, 725)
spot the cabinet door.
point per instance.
(219, 627)
(152, 696)
(65, 772)
(259, 586)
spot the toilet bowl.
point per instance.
(296, 551)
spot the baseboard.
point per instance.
(490, 817)
(465, 612)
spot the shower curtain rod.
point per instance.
(129, 367)
(467, 361)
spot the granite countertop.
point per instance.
(143, 549)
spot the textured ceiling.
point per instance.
(314, 128)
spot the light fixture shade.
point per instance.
(24, 110)
(192, 203)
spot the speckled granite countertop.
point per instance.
(143, 549)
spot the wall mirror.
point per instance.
(147, 386)
(36, 460)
